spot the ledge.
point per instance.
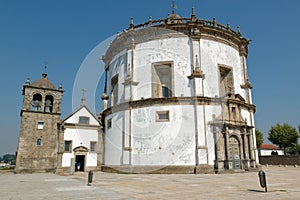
(199, 100)
(130, 82)
(197, 74)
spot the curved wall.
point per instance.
(134, 135)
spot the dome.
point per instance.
(43, 83)
(174, 16)
(174, 19)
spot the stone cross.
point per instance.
(83, 97)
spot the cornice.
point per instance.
(76, 126)
(129, 81)
(185, 27)
(38, 112)
(39, 88)
(199, 100)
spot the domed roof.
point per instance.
(174, 16)
(43, 83)
(174, 19)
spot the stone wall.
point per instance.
(155, 169)
(31, 156)
(280, 160)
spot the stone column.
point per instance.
(219, 149)
(246, 151)
(128, 84)
(252, 149)
(226, 149)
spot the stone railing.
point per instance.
(184, 20)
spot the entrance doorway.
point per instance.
(79, 163)
(234, 152)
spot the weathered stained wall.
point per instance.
(211, 54)
(33, 157)
(189, 136)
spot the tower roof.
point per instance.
(43, 83)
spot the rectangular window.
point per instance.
(109, 123)
(84, 120)
(93, 146)
(162, 79)
(40, 125)
(68, 146)
(162, 116)
(226, 84)
(114, 90)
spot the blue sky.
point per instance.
(64, 32)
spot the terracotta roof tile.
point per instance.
(270, 147)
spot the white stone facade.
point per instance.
(80, 141)
(179, 98)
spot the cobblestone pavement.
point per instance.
(283, 183)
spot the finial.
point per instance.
(193, 17)
(131, 23)
(104, 96)
(27, 81)
(173, 6)
(60, 86)
(150, 20)
(228, 26)
(83, 97)
(239, 30)
(214, 22)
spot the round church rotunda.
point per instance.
(177, 99)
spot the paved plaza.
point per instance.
(283, 183)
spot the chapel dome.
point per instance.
(174, 16)
(174, 19)
(43, 83)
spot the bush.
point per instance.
(294, 149)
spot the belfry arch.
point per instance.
(48, 103)
(37, 102)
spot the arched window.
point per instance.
(48, 103)
(36, 102)
(39, 142)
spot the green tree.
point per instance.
(295, 149)
(259, 138)
(283, 135)
(9, 158)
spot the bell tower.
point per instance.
(40, 115)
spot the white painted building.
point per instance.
(81, 143)
(269, 149)
(177, 98)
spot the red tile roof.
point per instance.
(270, 147)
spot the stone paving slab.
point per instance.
(283, 183)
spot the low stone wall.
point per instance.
(280, 160)
(201, 169)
